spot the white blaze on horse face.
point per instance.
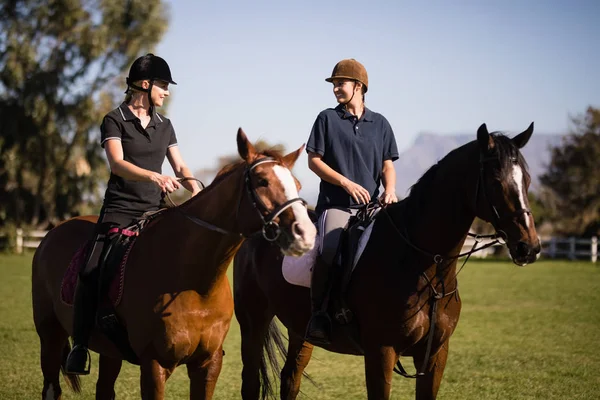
(289, 186)
(517, 175)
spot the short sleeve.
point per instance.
(390, 149)
(316, 140)
(109, 129)
(173, 138)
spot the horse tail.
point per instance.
(72, 380)
(272, 345)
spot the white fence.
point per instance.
(572, 248)
(28, 239)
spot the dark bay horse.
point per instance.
(404, 286)
(177, 302)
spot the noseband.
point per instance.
(270, 228)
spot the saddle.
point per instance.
(113, 261)
(354, 238)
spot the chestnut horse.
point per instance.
(403, 292)
(177, 302)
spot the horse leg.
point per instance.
(203, 375)
(428, 384)
(379, 368)
(253, 314)
(108, 371)
(53, 340)
(152, 379)
(298, 356)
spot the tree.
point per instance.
(56, 59)
(572, 178)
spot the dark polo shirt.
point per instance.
(145, 148)
(356, 148)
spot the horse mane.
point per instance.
(230, 168)
(508, 154)
(276, 154)
(421, 192)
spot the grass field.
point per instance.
(524, 333)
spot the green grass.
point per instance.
(524, 333)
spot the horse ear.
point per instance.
(245, 148)
(291, 158)
(484, 138)
(522, 138)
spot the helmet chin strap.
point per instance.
(149, 91)
(150, 97)
(353, 93)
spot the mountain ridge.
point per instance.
(428, 148)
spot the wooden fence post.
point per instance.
(594, 249)
(19, 241)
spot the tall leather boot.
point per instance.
(318, 330)
(84, 315)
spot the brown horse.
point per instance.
(177, 302)
(403, 291)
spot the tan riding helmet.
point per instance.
(350, 69)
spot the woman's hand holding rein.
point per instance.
(166, 183)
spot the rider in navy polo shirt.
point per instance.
(136, 140)
(352, 150)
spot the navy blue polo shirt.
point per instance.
(145, 148)
(356, 148)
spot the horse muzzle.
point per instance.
(524, 253)
(299, 240)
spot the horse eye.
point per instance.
(263, 182)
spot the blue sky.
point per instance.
(434, 66)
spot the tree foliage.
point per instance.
(573, 180)
(57, 59)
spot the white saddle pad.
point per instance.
(298, 270)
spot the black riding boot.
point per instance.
(319, 327)
(84, 315)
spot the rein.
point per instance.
(270, 228)
(180, 180)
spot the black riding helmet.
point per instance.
(149, 67)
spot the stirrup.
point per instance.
(323, 332)
(74, 357)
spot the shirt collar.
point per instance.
(128, 115)
(343, 113)
(126, 112)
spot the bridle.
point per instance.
(270, 228)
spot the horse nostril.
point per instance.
(523, 248)
(297, 229)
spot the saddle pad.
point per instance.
(69, 283)
(298, 270)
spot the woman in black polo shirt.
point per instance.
(136, 140)
(352, 150)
